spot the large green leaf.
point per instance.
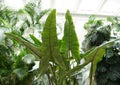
(50, 47)
(34, 49)
(70, 40)
(94, 57)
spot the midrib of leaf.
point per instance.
(69, 39)
(50, 43)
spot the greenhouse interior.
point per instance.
(59, 42)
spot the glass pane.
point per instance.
(63, 5)
(45, 4)
(111, 6)
(89, 5)
(15, 4)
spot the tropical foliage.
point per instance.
(56, 55)
(17, 62)
(107, 72)
(59, 58)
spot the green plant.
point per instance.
(23, 19)
(19, 60)
(8, 17)
(97, 33)
(33, 14)
(107, 72)
(56, 55)
(5, 66)
(14, 68)
(93, 23)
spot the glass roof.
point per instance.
(98, 7)
(89, 5)
(111, 6)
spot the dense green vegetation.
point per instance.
(108, 71)
(16, 60)
(19, 49)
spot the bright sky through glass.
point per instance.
(111, 6)
(15, 4)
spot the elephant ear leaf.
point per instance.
(96, 57)
(50, 47)
(70, 39)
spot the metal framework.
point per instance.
(87, 13)
(84, 13)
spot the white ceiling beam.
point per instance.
(78, 5)
(99, 14)
(117, 12)
(102, 3)
(52, 3)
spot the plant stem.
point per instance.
(53, 72)
(79, 67)
(91, 73)
(50, 82)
